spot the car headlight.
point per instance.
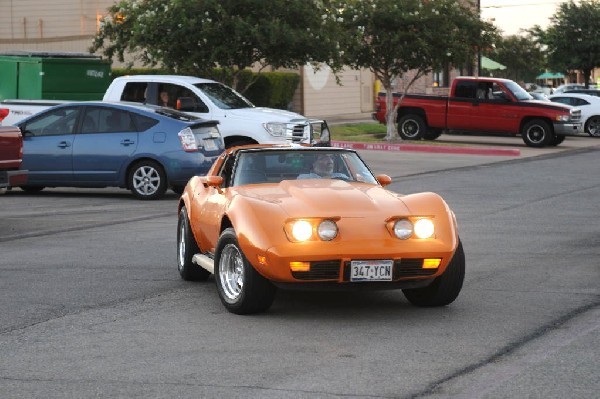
(563, 118)
(403, 229)
(302, 230)
(276, 129)
(424, 228)
(327, 230)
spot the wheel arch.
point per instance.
(229, 140)
(528, 119)
(412, 111)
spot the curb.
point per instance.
(503, 152)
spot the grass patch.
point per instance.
(363, 132)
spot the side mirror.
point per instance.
(384, 180)
(212, 181)
(185, 104)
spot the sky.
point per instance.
(512, 15)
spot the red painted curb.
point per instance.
(506, 152)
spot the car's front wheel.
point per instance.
(445, 288)
(537, 133)
(186, 249)
(592, 126)
(241, 288)
(147, 180)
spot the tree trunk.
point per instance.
(390, 114)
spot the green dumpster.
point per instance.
(53, 76)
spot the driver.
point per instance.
(322, 167)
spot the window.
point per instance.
(53, 123)
(223, 96)
(466, 90)
(107, 120)
(134, 92)
(175, 92)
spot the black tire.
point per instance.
(592, 126)
(556, 140)
(147, 180)
(241, 288)
(537, 133)
(186, 249)
(432, 134)
(32, 189)
(411, 127)
(445, 288)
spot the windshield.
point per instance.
(224, 97)
(254, 167)
(518, 91)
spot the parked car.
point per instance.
(96, 144)
(589, 106)
(568, 86)
(263, 218)
(591, 92)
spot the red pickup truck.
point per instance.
(484, 105)
(11, 153)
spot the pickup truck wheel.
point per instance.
(32, 189)
(445, 288)
(411, 127)
(432, 134)
(147, 180)
(241, 288)
(592, 126)
(537, 133)
(186, 249)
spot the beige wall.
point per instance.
(56, 25)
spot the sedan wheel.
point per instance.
(592, 126)
(147, 180)
(241, 288)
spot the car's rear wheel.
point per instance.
(32, 189)
(411, 127)
(186, 249)
(147, 180)
(592, 126)
(445, 288)
(241, 288)
(537, 133)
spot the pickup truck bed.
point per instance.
(11, 153)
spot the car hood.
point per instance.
(264, 114)
(328, 198)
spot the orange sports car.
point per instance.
(268, 217)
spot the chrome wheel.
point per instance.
(231, 272)
(181, 248)
(146, 180)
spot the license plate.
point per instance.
(210, 145)
(371, 270)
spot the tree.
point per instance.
(392, 37)
(572, 39)
(196, 36)
(522, 56)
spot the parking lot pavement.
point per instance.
(480, 150)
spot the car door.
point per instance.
(104, 145)
(48, 146)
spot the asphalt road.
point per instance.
(92, 304)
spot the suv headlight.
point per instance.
(276, 129)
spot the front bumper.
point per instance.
(568, 129)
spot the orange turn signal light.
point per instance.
(300, 266)
(262, 260)
(432, 263)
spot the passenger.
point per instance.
(322, 167)
(164, 99)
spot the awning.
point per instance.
(550, 75)
(490, 64)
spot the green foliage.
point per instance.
(572, 39)
(270, 89)
(197, 36)
(522, 56)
